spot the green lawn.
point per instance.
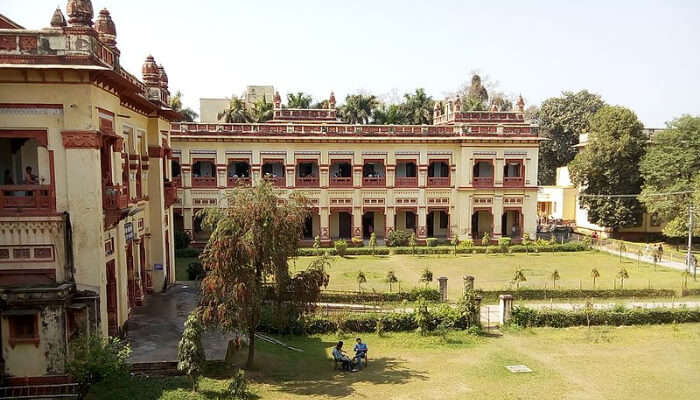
(495, 271)
(181, 264)
(645, 362)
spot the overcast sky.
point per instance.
(640, 54)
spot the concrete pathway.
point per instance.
(648, 259)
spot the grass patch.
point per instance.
(181, 264)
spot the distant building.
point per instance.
(209, 108)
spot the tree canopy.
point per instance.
(418, 107)
(262, 111)
(609, 165)
(671, 164)
(252, 238)
(358, 108)
(298, 100)
(176, 104)
(236, 112)
(562, 119)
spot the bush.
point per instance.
(504, 243)
(431, 242)
(238, 387)
(182, 240)
(190, 352)
(357, 242)
(365, 297)
(466, 244)
(526, 317)
(340, 247)
(541, 294)
(398, 238)
(97, 359)
(195, 272)
(188, 252)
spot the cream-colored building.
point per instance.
(468, 174)
(558, 201)
(85, 191)
(210, 108)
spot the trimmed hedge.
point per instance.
(187, 252)
(445, 249)
(690, 292)
(351, 251)
(541, 294)
(361, 297)
(526, 317)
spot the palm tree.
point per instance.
(321, 104)
(427, 276)
(361, 278)
(389, 115)
(685, 274)
(595, 275)
(391, 279)
(262, 111)
(419, 107)
(518, 277)
(358, 108)
(555, 277)
(298, 100)
(622, 274)
(236, 112)
(176, 104)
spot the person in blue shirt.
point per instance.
(339, 355)
(360, 351)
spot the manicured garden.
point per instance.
(642, 362)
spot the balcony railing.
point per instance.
(114, 198)
(170, 191)
(27, 198)
(485, 181)
(232, 181)
(406, 181)
(439, 181)
(374, 181)
(513, 181)
(177, 180)
(341, 181)
(307, 181)
(203, 181)
(277, 181)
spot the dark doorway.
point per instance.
(367, 224)
(431, 221)
(475, 226)
(504, 225)
(410, 221)
(309, 228)
(344, 225)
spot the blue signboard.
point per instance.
(158, 267)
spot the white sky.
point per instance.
(640, 54)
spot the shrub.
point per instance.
(364, 297)
(188, 252)
(398, 238)
(504, 243)
(317, 242)
(190, 352)
(541, 294)
(466, 244)
(182, 240)
(431, 242)
(238, 387)
(486, 239)
(340, 247)
(97, 359)
(357, 242)
(526, 317)
(195, 272)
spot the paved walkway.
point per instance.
(648, 259)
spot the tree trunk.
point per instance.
(251, 348)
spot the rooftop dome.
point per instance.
(80, 12)
(58, 20)
(150, 72)
(163, 77)
(105, 27)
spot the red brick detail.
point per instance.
(27, 42)
(155, 151)
(8, 42)
(81, 139)
(38, 135)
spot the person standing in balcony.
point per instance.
(29, 178)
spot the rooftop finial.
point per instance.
(331, 100)
(105, 27)
(58, 20)
(521, 103)
(80, 12)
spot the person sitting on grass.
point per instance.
(360, 351)
(339, 355)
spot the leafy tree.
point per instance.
(561, 121)
(499, 102)
(477, 96)
(252, 237)
(412, 242)
(622, 274)
(340, 247)
(358, 108)
(360, 278)
(176, 104)
(236, 112)
(391, 279)
(262, 111)
(190, 352)
(455, 243)
(555, 277)
(519, 276)
(609, 165)
(418, 107)
(685, 274)
(96, 359)
(486, 239)
(373, 242)
(671, 164)
(298, 100)
(595, 275)
(426, 276)
(321, 104)
(392, 114)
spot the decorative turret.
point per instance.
(437, 109)
(58, 20)
(494, 107)
(80, 12)
(458, 104)
(331, 101)
(277, 100)
(150, 72)
(521, 103)
(164, 93)
(105, 27)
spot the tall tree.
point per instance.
(561, 121)
(392, 114)
(671, 164)
(236, 112)
(262, 111)
(477, 95)
(418, 107)
(358, 108)
(176, 104)
(253, 237)
(298, 100)
(609, 165)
